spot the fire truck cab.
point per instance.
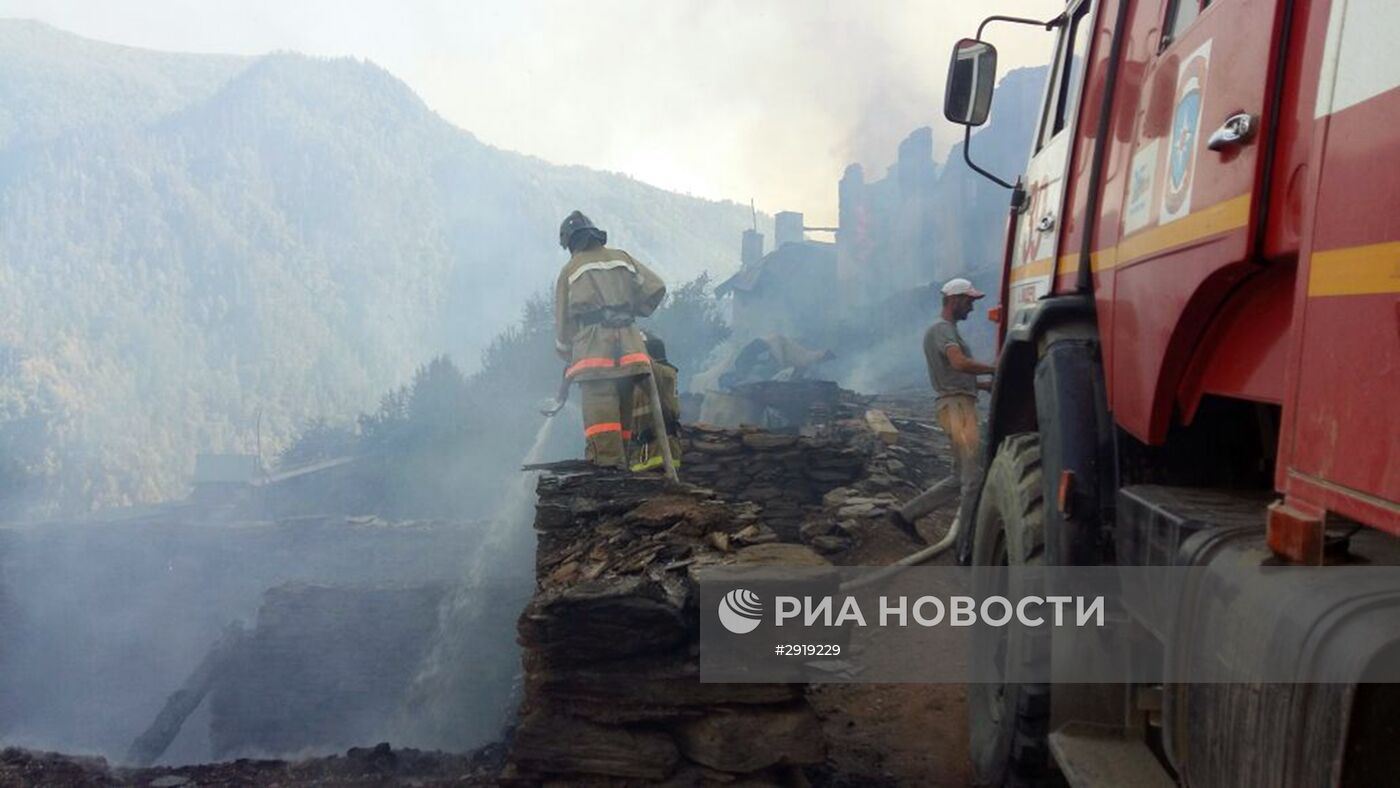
(1200, 360)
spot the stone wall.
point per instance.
(612, 692)
(825, 487)
(784, 475)
(612, 689)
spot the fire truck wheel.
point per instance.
(1009, 721)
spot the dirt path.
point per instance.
(895, 734)
(898, 734)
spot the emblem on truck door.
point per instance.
(1184, 139)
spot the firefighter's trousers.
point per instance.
(607, 419)
(957, 416)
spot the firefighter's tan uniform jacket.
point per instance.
(600, 291)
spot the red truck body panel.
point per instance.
(1266, 271)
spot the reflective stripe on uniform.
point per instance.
(598, 429)
(589, 363)
(601, 265)
(602, 362)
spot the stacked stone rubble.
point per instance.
(784, 475)
(612, 692)
(612, 689)
(821, 489)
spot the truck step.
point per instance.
(1092, 756)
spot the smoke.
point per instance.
(724, 99)
(100, 622)
(888, 116)
(467, 690)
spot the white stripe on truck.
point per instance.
(1361, 59)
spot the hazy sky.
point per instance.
(717, 98)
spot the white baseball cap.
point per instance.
(961, 286)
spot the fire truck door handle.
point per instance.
(1236, 130)
(1046, 223)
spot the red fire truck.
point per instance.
(1200, 363)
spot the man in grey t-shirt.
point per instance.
(953, 373)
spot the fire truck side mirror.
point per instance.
(972, 75)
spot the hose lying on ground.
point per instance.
(913, 559)
(940, 493)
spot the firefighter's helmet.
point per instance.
(573, 223)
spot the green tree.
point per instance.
(321, 439)
(439, 401)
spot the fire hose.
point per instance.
(917, 507)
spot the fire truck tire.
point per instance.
(1009, 722)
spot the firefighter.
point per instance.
(644, 451)
(954, 375)
(600, 293)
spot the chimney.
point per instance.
(752, 249)
(787, 228)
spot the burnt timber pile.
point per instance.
(611, 690)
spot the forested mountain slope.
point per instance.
(189, 242)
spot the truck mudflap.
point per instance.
(1235, 635)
